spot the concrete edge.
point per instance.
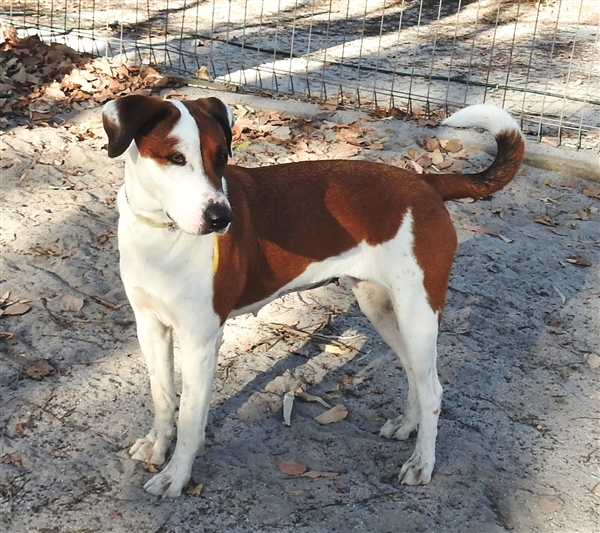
(578, 164)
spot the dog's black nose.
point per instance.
(217, 217)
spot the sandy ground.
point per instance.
(518, 444)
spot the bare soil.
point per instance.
(518, 444)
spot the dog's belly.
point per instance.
(363, 262)
(257, 306)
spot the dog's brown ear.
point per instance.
(125, 118)
(222, 113)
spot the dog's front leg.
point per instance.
(156, 342)
(198, 365)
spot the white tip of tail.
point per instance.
(486, 116)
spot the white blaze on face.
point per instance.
(183, 191)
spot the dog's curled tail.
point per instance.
(511, 150)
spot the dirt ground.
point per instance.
(518, 443)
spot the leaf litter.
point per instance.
(39, 80)
(39, 369)
(336, 414)
(292, 468)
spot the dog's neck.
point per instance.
(150, 221)
(144, 207)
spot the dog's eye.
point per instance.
(222, 158)
(176, 158)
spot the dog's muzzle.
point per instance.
(217, 217)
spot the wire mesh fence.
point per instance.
(538, 59)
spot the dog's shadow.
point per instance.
(303, 348)
(247, 425)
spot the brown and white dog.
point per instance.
(201, 241)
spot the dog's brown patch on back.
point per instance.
(309, 212)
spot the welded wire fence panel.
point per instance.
(540, 60)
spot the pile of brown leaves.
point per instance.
(268, 137)
(38, 80)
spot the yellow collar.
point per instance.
(172, 226)
(149, 222)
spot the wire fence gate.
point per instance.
(538, 59)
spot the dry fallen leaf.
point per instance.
(457, 166)
(335, 414)
(479, 229)
(418, 168)
(195, 491)
(592, 190)
(571, 182)
(424, 161)
(312, 398)
(6, 335)
(413, 154)
(39, 369)
(592, 359)
(302, 493)
(291, 468)
(288, 403)
(314, 474)
(342, 151)
(335, 349)
(11, 458)
(545, 220)
(70, 302)
(15, 309)
(430, 144)
(444, 164)
(453, 145)
(548, 140)
(437, 158)
(339, 485)
(550, 504)
(578, 260)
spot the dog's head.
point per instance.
(177, 154)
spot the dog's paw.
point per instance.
(149, 450)
(169, 483)
(416, 471)
(399, 428)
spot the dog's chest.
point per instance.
(168, 265)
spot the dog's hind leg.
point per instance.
(376, 304)
(409, 325)
(156, 341)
